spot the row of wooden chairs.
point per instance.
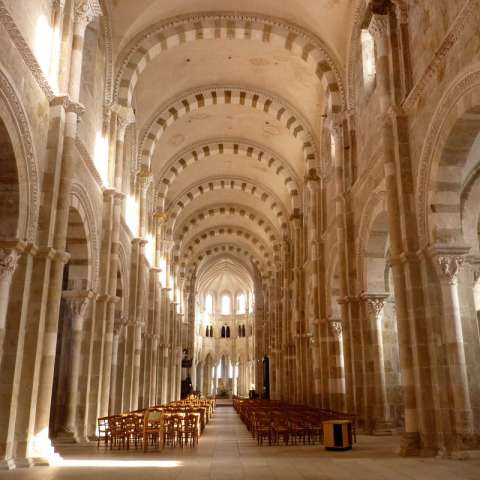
(278, 422)
(178, 424)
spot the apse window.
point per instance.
(241, 304)
(368, 59)
(209, 304)
(226, 304)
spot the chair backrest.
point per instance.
(153, 416)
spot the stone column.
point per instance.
(316, 259)
(352, 347)
(78, 302)
(301, 338)
(215, 379)
(336, 377)
(58, 10)
(415, 362)
(378, 416)
(17, 364)
(448, 261)
(114, 390)
(128, 366)
(119, 121)
(8, 263)
(136, 365)
(199, 379)
(41, 447)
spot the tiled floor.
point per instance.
(227, 452)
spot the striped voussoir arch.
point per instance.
(186, 270)
(181, 250)
(201, 151)
(233, 184)
(447, 186)
(229, 95)
(279, 33)
(230, 210)
(80, 204)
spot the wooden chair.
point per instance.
(117, 433)
(263, 429)
(103, 431)
(153, 429)
(133, 429)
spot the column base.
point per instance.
(24, 462)
(43, 452)
(7, 464)
(410, 445)
(382, 428)
(65, 437)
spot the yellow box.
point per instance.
(337, 435)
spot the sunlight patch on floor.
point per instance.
(108, 463)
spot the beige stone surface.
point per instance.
(227, 451)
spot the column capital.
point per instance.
(336, 327)
(64, 101)
(448, 260)
(58, 4)
(160, 216)
(78, 301)
(312, 181)
(378, 26)
(144, 177)
(8, 262)
(335, 124)
(86, 11)
(125, 117)
(374, 302)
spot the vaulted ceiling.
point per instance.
(229, 108)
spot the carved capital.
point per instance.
(160, 217)
(78, 302)
(58, 5)
(86, 11)
(378, 26)
(8, 262)
(449, 267)
(144, 177)
(125, 117)
(374, 302)
(336, 328)
(448, 261)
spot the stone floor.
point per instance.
(227, 452)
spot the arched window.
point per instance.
(243, 331)
(223, 332)
(226, 304)
(239, 330)
(368, 58)
(228, 332)
(209, 304)
(241, 304)
(211, 331)
(207, 332)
